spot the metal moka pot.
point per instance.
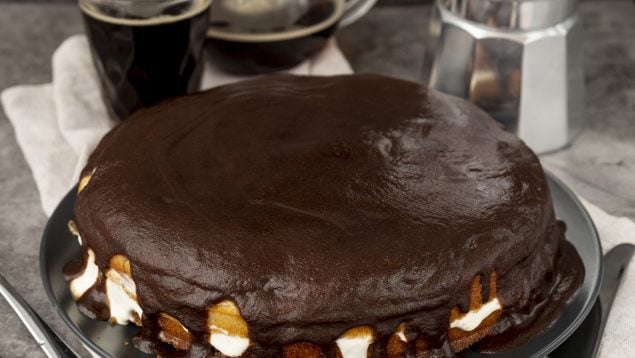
(519, 60)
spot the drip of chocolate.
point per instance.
(319, 204)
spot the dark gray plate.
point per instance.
(59, 246)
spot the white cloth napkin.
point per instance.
(58, 124)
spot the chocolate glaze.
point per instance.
(322, 204)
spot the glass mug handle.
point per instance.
(354, 9)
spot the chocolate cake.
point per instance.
(293, 216)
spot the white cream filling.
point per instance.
(86, 279)
(401, 336)
(473, 319)
(120, 289)
(354, 347)
(231, 346)
(122, 297)
(121, 294)
(162, 336)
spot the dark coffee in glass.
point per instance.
(145, 51)
(260, 36)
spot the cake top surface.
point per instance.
(310, 201)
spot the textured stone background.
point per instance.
(600, 164)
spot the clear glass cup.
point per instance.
(260, 36)
(145, 51)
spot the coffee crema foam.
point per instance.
(194, 9)
(250, 37)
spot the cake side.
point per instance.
(304, 214)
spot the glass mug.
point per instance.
(145, 51)
(259, 36)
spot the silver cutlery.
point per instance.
(52, 345)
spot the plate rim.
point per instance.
(94, 348)
(88, 344)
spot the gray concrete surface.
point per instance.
(600, 164)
